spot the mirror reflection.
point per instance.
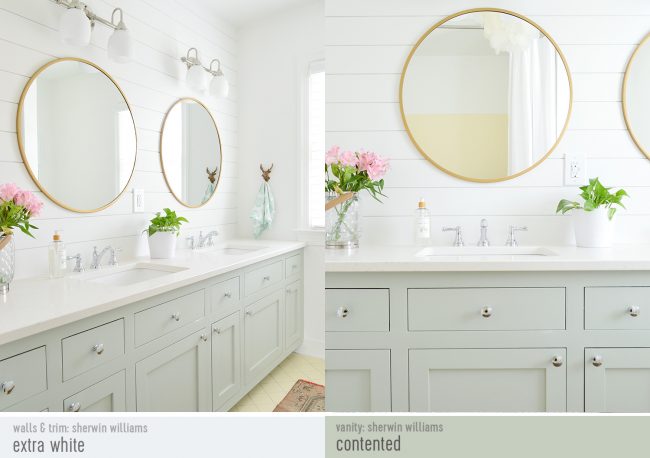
(636, 96)
(76, 135)
(191, 152)
(485, 95)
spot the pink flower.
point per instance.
(349, 159)
(8, 191)
(28, 200)
(374, 165)
(332, 156)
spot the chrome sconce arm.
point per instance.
(219, 86)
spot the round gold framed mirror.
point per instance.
(76, 135)
(636, 96)
(485, 95)
(190, 152)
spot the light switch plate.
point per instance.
(138, 201)
(575, 169)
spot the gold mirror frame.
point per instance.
(626, 118)
(162, 162)
(19, 130)
(410, 56)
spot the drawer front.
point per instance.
(357, 310)
(263, 277)
(486, 309)
(617, 308)
(293, 266)
(109, 395)
(89, 349)
(169, 316)
(22, 376)
(224, 295)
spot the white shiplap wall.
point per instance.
(367, 44)
(163, 30)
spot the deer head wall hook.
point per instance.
(212, 176)
(266, 174)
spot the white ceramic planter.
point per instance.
(593, 229)
(162, 245)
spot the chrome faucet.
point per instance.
(458, 239)
(97, 257)
(207, 240)
(483, 241)
(78, 265)
(512, 240)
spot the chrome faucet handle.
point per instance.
(483, 241)
(78, 265)
(113, 260)
(458, 239)
(190, 241)
(95, 262)
(512, 239)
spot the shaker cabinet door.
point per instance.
(293, 315)
(357, 381)
(109, 395)
(226, 359)
(487, 380)
(177, 378)
(617, 380)
(263, 335)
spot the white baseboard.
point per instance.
(315, 348)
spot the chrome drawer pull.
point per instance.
(597, 361)
(217, 330)
(74, 407)
(176, 316)
(486, 312)
(227, 294)
(204, 337)
(8, 387)
(342, 312)
(267, 278)
(633, 310)
(558, 361)
(99, 349)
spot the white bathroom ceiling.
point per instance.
(241, 12)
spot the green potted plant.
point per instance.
(593, 220)
(163, 232)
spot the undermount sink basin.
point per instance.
(237, 250)
(129, 275)
(478, 251)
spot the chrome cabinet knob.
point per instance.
(267, 278)
(8, 387)
(99, 349)
(342, 312)
(557, 360)
(204, 337)
(486, 312)
(217, 330)
(227, 294)
(176, 316)
(597, 361)
(633, 310)
(74, 407)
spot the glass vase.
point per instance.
(342, 223)
(7, 262)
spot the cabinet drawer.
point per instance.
(357, 310)
(109, 395)
(22, 376)
(89, 349)
(617, 308)
(293, 266)
(262, 277)
(224, 295)
(167, 317)
(486, 309)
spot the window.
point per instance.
(315, 145)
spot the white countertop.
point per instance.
(404, 259)
(38, 304)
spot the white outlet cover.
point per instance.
(138, 201)
(575, 169)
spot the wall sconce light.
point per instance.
(196, 80)
(78, 20)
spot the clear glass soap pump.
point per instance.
(422, 224)
(57, 256)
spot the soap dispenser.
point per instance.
(422, 224)
(57, 256)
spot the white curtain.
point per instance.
(532, 103)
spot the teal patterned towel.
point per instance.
(263, 211)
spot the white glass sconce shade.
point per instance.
(120, 46)
(219, 86)
(74, 27)
(196, 78)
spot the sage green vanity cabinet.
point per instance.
(493, 341)
(200, 347)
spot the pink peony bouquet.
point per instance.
(355, 171)
(16, 208)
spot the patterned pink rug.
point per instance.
(304, 396)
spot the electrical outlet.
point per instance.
(575, 169)
(138, 201)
